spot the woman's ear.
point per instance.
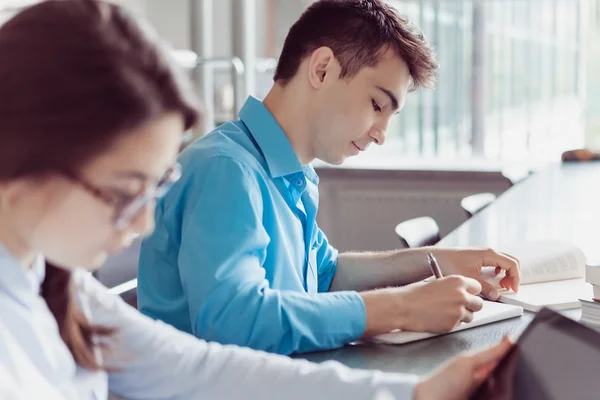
(13, 192)
(3, 201)
(7, 193)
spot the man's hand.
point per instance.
(469, 263)
(460, 376)
(436, 306)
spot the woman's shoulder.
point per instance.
(8, 383)
(94, 298)
(99, 305)
(20, 376)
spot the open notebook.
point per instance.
(552, 275)
(491, 312)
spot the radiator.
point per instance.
(361, 214)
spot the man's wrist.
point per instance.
(417, 260)
(384, 310)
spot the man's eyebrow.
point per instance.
(392, 96)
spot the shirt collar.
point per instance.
(20, 283)
(271, 139)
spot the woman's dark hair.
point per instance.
(75, 76)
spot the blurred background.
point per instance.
(518, 78)
(518, 81)
(519, 84)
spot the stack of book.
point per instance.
(590, 308)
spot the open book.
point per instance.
(491, 312)
(552, 275)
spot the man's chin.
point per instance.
(334, 161)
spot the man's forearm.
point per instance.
(364, 271)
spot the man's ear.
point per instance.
(321, 66)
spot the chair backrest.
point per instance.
(418, 232)
(516, 173)
(476, 202)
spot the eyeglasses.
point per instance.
(128, 207)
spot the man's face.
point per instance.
(350, 114)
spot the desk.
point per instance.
(560, 202)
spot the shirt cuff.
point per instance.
(346, 317)
(326, 279)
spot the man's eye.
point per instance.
(375, 106)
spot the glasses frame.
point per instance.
(126, 210)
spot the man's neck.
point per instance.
(288, 107)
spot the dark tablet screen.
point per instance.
(554, 359)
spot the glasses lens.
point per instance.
(133, 208)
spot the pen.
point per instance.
(434, 266)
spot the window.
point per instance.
(528, 98)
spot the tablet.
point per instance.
(555, 358)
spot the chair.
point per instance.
(476, 202)
(418, 232)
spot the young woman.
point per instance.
(91, 117)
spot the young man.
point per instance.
(237, 256)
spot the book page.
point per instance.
(547, 261)
(491, 312)
(558, 295)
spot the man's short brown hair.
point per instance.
(358, 32)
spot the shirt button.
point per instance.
(299, 182)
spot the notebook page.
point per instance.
(491, 312)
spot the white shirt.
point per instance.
(152, 360)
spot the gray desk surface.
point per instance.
(560, 202)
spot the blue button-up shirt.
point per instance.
(237, 256)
